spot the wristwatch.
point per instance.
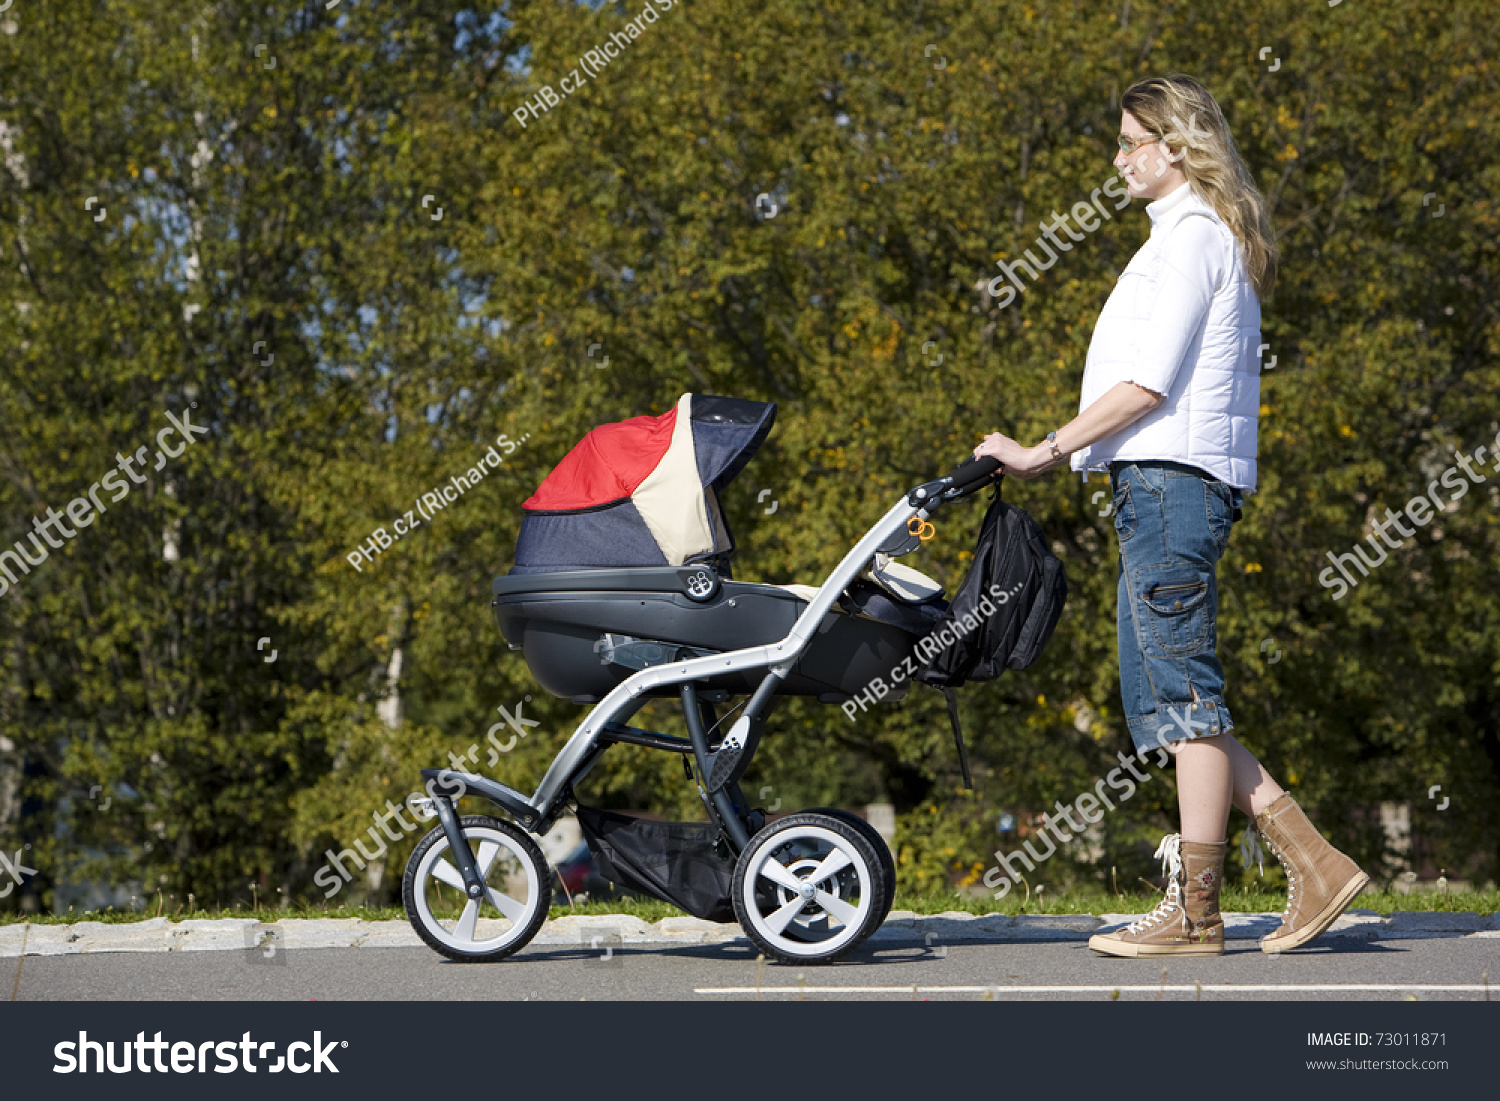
(1052, 443)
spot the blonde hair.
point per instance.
(1181, 112)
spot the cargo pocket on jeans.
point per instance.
(1178, 610)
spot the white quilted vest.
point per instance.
(1208, 419)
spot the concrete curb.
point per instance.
(594, 931)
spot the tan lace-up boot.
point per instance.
(1187, 921)
(1321, 881)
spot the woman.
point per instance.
(1171, 394)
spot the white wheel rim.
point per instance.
(811, 892)
(460, 933)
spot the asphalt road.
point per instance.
(1338, 968)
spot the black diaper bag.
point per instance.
(1003, 613)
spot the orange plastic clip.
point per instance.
(923, 529)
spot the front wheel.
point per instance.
(518, 891)
(808, 889)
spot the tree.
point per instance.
(430, 234)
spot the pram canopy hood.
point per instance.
(644, 491)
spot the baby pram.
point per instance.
(622, 591)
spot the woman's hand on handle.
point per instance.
(1022, 462)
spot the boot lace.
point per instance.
(1291, 879)
(1169, 852)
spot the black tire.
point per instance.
(442, 941)
(882, 850)
(795, 842)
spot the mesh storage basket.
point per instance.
(673, 861)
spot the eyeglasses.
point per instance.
(1129, 143)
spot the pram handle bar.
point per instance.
(968, 476)
(971, 474)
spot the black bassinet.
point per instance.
(623, 562)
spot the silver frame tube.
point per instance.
(778, 656)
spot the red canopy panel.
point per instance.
(607, 465)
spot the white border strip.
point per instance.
(1176, 988)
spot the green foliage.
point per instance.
(285, 205)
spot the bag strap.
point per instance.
(958, 736)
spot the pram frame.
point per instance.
(606, 722)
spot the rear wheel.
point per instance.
(882, 850)
(809, 888)
(518, 891)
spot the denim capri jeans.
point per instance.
(1173, 523)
